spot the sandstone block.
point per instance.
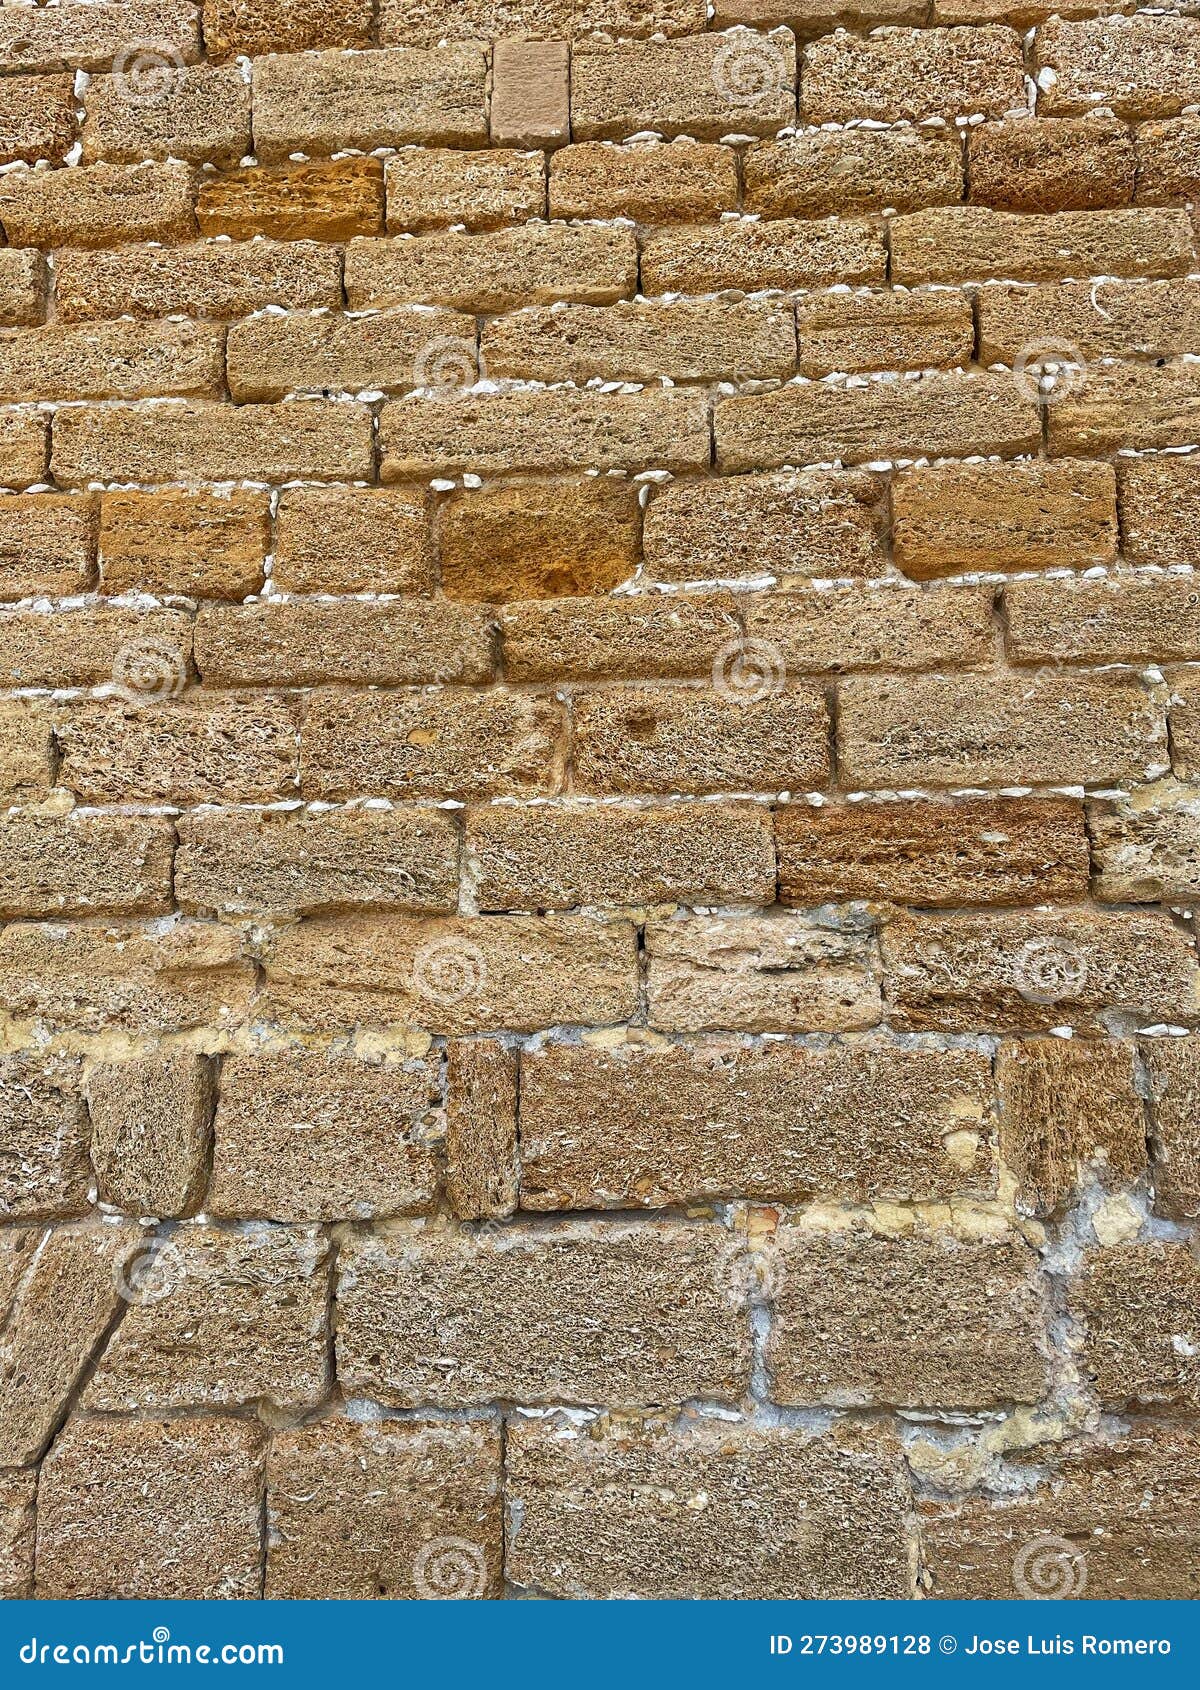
(269, 357)
(1168, 160)
(305, 862)
(1119, 618)
(562, 856)
(829, 631)
(202, 749)
(1033, 971)
(305, 439)
(971, 851)
(209, 279)
(631, 1128)
(706, 86)
(24, 448)
(775, 973)
(848, 172)
(530, 104)
(1185, 724)
(28, 757)
(208, 545)
(200, 113)
(950, 519)
(652, 182)
(540, 540)
(931, 415)
(37, 118)
(883, 331)
(467, 975)
(327, 102)
(916, 1320)
(148, 1508)
(1159, 501)
(972, 242)
(151, 1132)
(98, 205)
(448, 744)
(544, 429)
(84, 864)
(1070, 164)
(234, 1318)
(124, 979)
(112, 361)
(18, 1492)
(92, 643)
(753, 525)
(1075, 322)
(434, 187)
(427, 20)
(273, 26)
(912, 74)
(1069, 1112)
(315, 201)
(1144, 66)
(494, 271)
(1139, 1304)
(1146, 848)
(352, 540)
(90, 38)
(1139, 406)
(1175, 1140)
(44, 1171)
(677, 739)
(309, 1136)
(1048, 729)
(409, 1295)
(47, 546)
(749, 256)
(617, 638)
(613, 1510)
(22, 287)
(385, 1509)
(481, 1129)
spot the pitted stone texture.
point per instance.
(200, 113)
(703, 1509)
(853, 332)
(149, 1508)
(435, 187)
(652, 182)
(538, 540)
(17, 1495)
(618, 638)
(399, 1509)
(44, 1171)
(659, 1127)
(912, 74)
(458, 1318)
(1070, 164)
(1140, 1305)
(705, 85)
(224, 1319)
(309, 1136)
(151, 1131)
(215, 280)
(353, 540)
(1146, 848)
(496, 271)
(200, 544)
(1173, 1067)
(83, 865)
(481, 1128)
(847, 172)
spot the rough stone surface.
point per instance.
(481, 1129)
(151, 1132)
(538, 540)
(1138, 1303)
(1174, 1141)
(44, 1170)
